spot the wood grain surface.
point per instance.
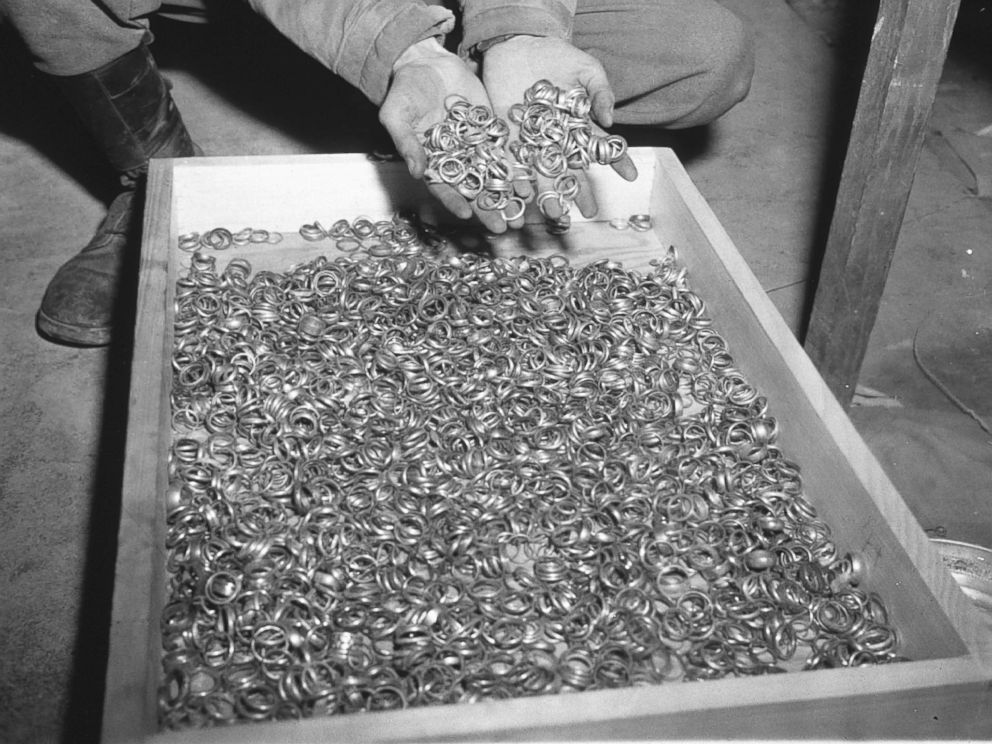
(905, 61)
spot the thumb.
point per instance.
(601, 96)
(406, 140)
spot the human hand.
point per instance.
(510, 67)
(425, 77)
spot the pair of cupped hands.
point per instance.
(426, 76)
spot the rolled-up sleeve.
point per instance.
(484, 20)
(357, 39)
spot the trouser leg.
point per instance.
(127, 108)
(671, 63)
(96, 55)
(71, 37)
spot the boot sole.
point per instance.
(70, 334)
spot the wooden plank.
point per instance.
(859, 711)
(130, 700)
(846, 483)
(907, 55)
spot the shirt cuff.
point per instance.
(492, 21)
(367, 56)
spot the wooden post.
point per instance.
(905, 61)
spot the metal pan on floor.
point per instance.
(971, 567)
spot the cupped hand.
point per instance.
(425, 77)
(512, 66)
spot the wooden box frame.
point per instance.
(944, 692)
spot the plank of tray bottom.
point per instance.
(281, 193)
(870, 513)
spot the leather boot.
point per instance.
(126, 106)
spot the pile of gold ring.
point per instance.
(470, 150)
(426, 477)
(220, 239)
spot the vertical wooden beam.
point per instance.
(907, 54)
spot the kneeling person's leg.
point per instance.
(70, 37)
(127, 108)
(96, 54)
(671, 63)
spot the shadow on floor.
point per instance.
(245, 61)
(43, 120)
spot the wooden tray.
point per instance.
(943, 692)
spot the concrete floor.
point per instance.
(766, 170)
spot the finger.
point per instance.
(602, 107)
(549, 206)
(523, 188)
(601, 96)
(490, 219)
(625, 168)
(407, 142)
(585, 200)
(451, 199)
(517, 222)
